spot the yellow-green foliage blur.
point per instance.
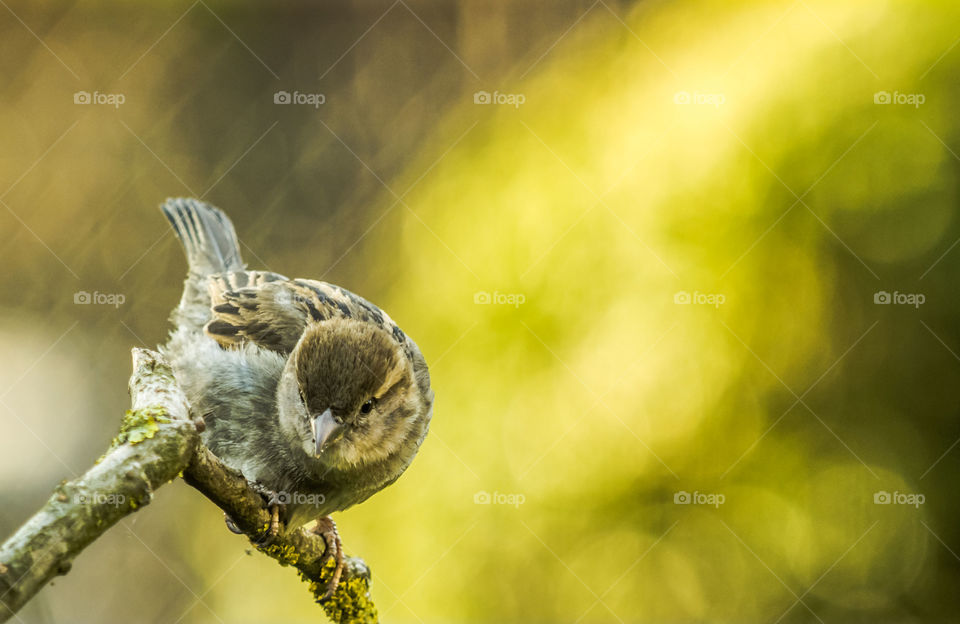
(685, 274)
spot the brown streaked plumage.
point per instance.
(311, 391)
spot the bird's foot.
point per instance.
(231, 525)
(327, 529)
(273, 502)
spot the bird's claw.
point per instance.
(231, 525)
(327, 529)
(273, 502)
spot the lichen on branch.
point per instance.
(156, 443)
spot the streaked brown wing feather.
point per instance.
(273, 311)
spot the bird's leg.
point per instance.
(273, 501)
(327, 529)
(274, 520)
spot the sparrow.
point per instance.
(312, 392)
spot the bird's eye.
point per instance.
(366, 407)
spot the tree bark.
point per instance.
(158, 442)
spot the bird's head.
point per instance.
(348, 394)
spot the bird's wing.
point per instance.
(272, 311)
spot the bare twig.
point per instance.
(157, 442)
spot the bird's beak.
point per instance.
(326, 430)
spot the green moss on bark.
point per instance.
(139, 425)
(350, 604)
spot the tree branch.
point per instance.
(157, 442)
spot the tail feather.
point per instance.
(207, 235)
(211, 245)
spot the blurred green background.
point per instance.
(645, 276)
